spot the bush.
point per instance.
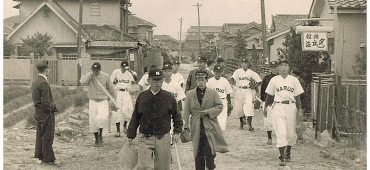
(80, 99)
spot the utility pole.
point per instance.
(79, 36)
(200, 45)
(180, 53)
(264, 43)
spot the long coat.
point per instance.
(212, 105)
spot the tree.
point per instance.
(165, 56)
(306, 61)
(8, 48)
(240, 49)
(38, 44)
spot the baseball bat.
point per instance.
(177, 156)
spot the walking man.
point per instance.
(44, 114)
(122, 80)
(223, 88)
(283, 93)
(247, 82)
(267, 120)
(204, 105)
(99, 92)
(176, 76)
(190, 82)
(143, 82)
(153, 112)
(171, 85)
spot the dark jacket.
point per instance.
(42, 97)
(153, 114)
(190, 82)
(265, 82)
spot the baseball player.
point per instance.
(143, 83)
(267, 120)
(171, 85)
(245, 93)
(223, 87)
(122, 80)
(176, 76)
(283, 94)
(100, 93)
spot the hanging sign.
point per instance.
(314, 41)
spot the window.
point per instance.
(95, 8)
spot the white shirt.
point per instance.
(284, 89)
(144, 82)
(175, 89)
(124, 79)
(178, 78)
(242, 78)
(222, 86)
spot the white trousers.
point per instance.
(244, 102)
(98, 114)
(125, 107)
(222, 117)
(283, 118)
(267, 120)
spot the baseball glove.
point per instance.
(257, 104)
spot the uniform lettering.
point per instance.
(285, 88)
(244, 78)
(123, 81)
(220, 90)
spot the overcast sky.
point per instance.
(165, 13)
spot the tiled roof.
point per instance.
(136, 21)
(232, 28)
(282, 22)
(106, 33)
(164, 38)
(11, 21)
(214, 29)
(348, 3)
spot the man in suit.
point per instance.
(204, 105)
(44, 114)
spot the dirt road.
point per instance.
(248, 150)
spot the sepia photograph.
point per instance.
(184, 84)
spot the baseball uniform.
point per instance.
(244, 95)
(175, 89)
(122, 84)
(144, 82)
(283, 113)
(178, 78)
(223, 87)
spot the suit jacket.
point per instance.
(42, 97)
(212, 106)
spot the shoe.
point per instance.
(282, 161)
(251, 128)
(269, 142)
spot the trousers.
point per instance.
(154, 153)
(45, 136)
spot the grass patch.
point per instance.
(63, 97)
(17, 103)
(13, 92)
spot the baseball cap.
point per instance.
(282, 62)
(202, 58)
(176, 62)
(220, 60)
(217, 67)
(42, 66)
(124, 64)
(167, 65)
(201, 73)
(156, 74)
(96, 66)
(273, 64)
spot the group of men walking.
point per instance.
(203, 109)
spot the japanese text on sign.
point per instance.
(314, 41)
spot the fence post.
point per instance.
(318, 122)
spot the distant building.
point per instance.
(229, 35)
(192, 39)
(171, 43)
(10, 24)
